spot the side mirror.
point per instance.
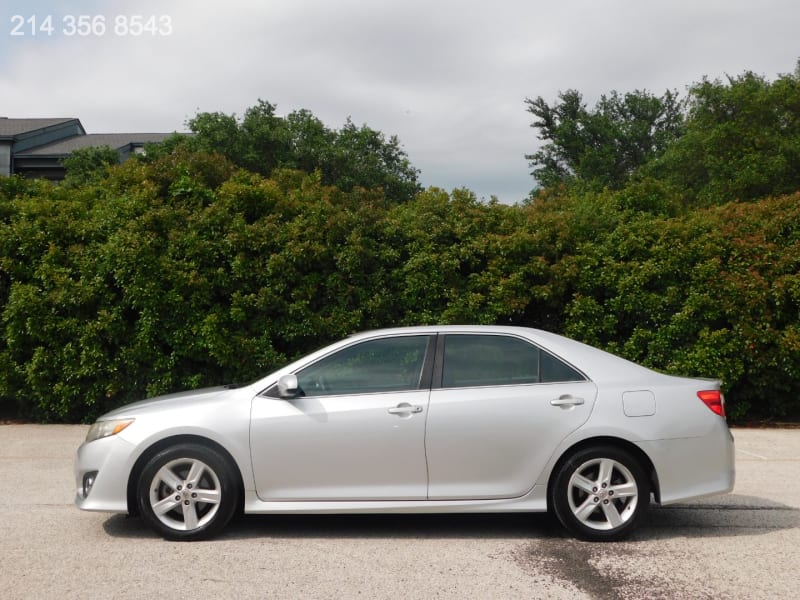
(287, 386)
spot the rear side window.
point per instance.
(484, 360)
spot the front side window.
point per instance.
(384, 365)
(483, 360)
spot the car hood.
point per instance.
(169, 402)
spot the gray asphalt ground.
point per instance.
(743, 545)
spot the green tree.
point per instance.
(742, 140)
(88, 165)
(364, 157)
(349, 157)
(604, 146)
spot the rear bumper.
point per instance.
(689, 468)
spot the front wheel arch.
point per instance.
(144, 458)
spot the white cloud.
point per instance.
(448, 77)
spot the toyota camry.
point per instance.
(468, 419)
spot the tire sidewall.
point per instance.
(559, 501)
(215, 462)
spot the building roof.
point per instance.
(115, 141)
(12, 127)
(37, 147)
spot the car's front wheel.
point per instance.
(600, 493)
(186, 492)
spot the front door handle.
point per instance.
(404, 409)
(566, 401)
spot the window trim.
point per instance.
(424, 382)
(438, 367)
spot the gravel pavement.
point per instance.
(743, 545)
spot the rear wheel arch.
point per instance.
(160, 445)
(641, 457)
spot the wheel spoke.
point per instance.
(195, 472)
(164, 506)
(585, 510)
(584, 484)
(208, 496)
(189, 515)
(606, 469)
(612, 514)
(170, 479)
(624, 490)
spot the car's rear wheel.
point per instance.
(601, 493)
(186, 492)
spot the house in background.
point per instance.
(37, 147)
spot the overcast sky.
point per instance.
(448, 77)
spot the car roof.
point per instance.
(595, 363)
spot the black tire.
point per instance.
(187, 492)
(600, 494)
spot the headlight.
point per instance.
(103, 429)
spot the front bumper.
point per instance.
(112, 459)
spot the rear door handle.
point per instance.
(566, 401)
(404, 409)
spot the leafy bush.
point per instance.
(712, 293)
(184, 270)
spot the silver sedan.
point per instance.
(424, 419)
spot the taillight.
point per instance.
(714, 400)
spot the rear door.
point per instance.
(499, 407)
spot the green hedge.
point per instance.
(186, 271)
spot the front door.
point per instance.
(355, 432)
